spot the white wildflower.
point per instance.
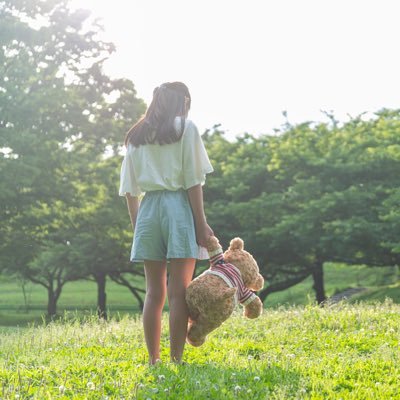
(91, 386)
(61, 389)
(161, 377)
(256, 378)
(237, 388)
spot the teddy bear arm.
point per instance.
(257, 283)
(254, 308)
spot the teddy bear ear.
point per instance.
(236, 244)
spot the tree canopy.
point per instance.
(61, 117)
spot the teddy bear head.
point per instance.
(245, 263)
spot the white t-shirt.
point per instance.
(173, 166)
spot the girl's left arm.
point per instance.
(133, 207)
(203, 230)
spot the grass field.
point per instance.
(338, 352)
(81, 295)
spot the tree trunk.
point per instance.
(101, 294)
(51, 302)
(318, 276)
(23, 287)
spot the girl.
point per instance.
(167, 160)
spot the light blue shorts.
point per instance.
(164, 227)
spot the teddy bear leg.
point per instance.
(195, 335)
(198, 330)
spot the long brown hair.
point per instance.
(170, 100)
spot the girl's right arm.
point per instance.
(133, 207)
(203, 230)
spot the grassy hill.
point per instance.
(337, 352)
(81, 296)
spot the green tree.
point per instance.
(102, 233)
(59, 114)
(311, 194)
(337, 178)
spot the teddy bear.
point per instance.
(213, 295)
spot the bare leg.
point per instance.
(156, 284)
(180, 275)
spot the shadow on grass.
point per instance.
(12, 320)
(36, 318)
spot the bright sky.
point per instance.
(246, 61)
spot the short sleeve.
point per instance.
(128, 183)
(196, 163)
